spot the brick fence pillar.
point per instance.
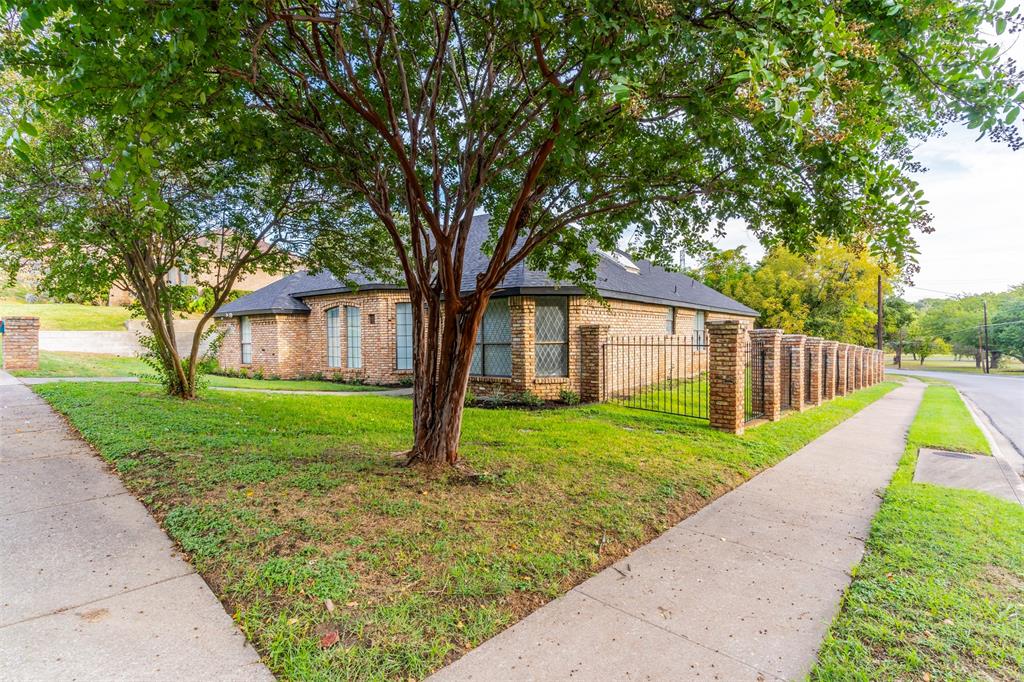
(880, 368)
(765, 385)
(727, 346)
(793, 371)
(842, 365)
(829, 369)
(592, 380)
(861, 377)
(812, 372)
(21, 343)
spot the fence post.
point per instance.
(726, 368)
(842, 364)
(592, 383)
(766, 398)
(829, 367)
(793, 369)
(861, 353)
(21, 343)
(812, 354)
(880, 367)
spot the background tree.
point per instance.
(65, 206)
(568, 122)
(1006, 334)
(899, 315)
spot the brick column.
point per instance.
(812, 356)
(592, 379)
(793, 370)
(521, 311)
(829, 368)
(764, 378)
(881, 366)
(727, 341)
(21, 343)
(861, 352)
(842, 363)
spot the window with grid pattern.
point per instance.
(492, 355)
(333, 337)
(403, 336)
(245, 335)
(354, 337)
(551, 336)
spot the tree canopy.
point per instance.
(567, 122)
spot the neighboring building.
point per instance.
(529, 339)
(250, 281)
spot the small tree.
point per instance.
(570, 123)
(64, 205)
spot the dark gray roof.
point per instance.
(646, 282)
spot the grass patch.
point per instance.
(69, 316)
(62, 364)
(284, 501)
(940, 591)
(948, 363)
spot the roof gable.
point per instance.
(618, 277)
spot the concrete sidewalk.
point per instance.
(743, 590)
(90, 586)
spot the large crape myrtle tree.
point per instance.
(570, 123)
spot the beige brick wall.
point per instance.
(21, 343)
(292, 346)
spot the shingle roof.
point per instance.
(647, 283)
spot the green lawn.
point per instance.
(286, 501)
(940, 592)
(61, 364)
(947, 363)
(69, 316)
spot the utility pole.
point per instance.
(879, 328)
(985, 308)
(981, 358)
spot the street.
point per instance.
(1000, 397)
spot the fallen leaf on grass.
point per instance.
(329, 640)
(329, 605)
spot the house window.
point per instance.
(670, 321)
(492, 356)
(698, 324)
(403, 336)
(551, 336)
(245, 334)
(333, 337)
(353, 337)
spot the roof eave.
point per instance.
(261, 311)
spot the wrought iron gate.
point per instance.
(658, 373)
(754, 379)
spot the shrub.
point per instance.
(470, 398)
(569, 397)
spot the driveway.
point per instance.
(999, 397)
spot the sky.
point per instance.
(976, 195)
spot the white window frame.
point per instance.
(403, 336)
(699, 320)
(245, 339)
(353, 337)
(333, 320)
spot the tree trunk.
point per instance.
(441, 374)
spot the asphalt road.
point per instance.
(999, 397)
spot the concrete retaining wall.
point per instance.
(125, 343)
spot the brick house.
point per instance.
(531, 337)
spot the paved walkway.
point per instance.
(743, 590)
(90, 586)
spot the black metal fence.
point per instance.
(754, 379)
(658, 373)
(807, 374)
(826, 367)
(788, 358)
